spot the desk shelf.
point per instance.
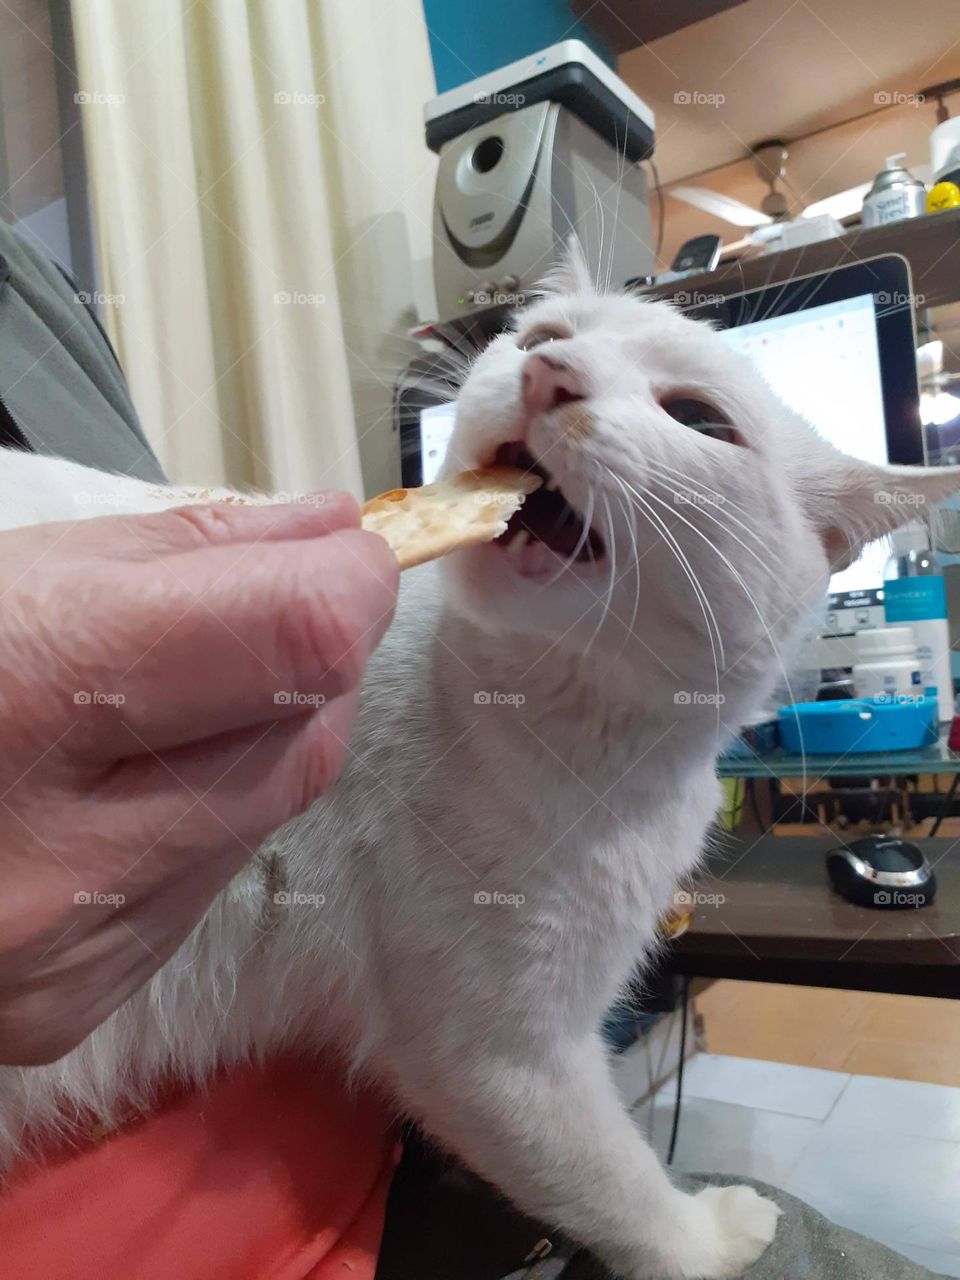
(930, 244)
(937, 758)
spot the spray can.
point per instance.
(895, 194)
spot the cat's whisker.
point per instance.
(612, 555)
(601, 226)
(702, 490)
(621, 176)
(635, 558)
(818, 282)
(774, 647)
(716, 645)
(668, 535)
(767, 568)
(736, 574)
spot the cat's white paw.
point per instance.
(715, 1235)
(742, 1225)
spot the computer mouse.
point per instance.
(882, 871)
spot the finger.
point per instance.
(246, 787)
(225, 794)
(221, 639)
(215, 524)
(183, 529)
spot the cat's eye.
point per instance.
(541, 337)
(701, 416)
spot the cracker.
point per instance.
(470, 508)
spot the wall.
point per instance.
(469, 39)
(48, 230)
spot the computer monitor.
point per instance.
(837, 346)
(825, 363)
(436, 428)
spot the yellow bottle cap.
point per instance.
(945, 195)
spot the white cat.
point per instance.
(532, 771)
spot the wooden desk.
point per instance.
(777, 919)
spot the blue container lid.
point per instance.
(883, 704)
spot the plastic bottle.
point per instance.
(914, 594)
(887, 664)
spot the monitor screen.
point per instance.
(436, 428)
(824, 362)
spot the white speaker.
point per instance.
(546, 147)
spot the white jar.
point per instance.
(887, 663)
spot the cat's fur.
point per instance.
(584, 804)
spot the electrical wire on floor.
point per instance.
(684, 1003)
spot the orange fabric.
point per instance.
(270, 1173)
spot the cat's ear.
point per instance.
(571, 274)
(853, 502)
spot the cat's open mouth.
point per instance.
(546, 517)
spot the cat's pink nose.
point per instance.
(548, 382)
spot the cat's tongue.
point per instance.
(536, 560)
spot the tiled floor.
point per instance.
(879, 1156)
(857, 1032)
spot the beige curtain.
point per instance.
(261, 196)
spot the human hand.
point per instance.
(173, 687)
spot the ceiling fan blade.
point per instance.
(841, 205)
(733, 211)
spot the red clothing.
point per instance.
(270, 1173)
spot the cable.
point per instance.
(945, 806)
(683, 1053)
(659, 191)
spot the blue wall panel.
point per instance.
(468, 38)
